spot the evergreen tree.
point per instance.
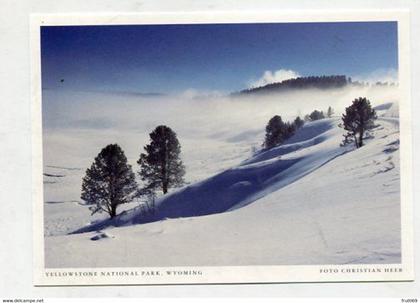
(359, 118)
(160, 165)
(274, 132)
(298, 122)
(316, 115)
(109, 181)
(289, 130)
(330, 112)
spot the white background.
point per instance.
(15, 150)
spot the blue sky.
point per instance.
(223, 57)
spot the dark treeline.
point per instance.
(277, 131)
(318, 82)
(321, 82)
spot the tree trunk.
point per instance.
(361, 139)
(165, 169)
(113, 212)
(356, 141)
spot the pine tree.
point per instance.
(298, 122)
(316, 115)
(289, 130)
(109, 181)
(274, 132)
(359, 118)
(330, 112)
(161, 165)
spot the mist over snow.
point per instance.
(77, 125)
(383, 75)
(192, 93)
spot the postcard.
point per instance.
(194, 148)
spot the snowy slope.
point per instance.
(313, 203)
(312, 146)
(65, 212)
(215, 134)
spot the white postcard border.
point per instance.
(224, 274)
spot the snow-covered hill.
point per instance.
(215, 134)
(312, 146)
(309, 201)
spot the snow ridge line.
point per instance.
(297, 178)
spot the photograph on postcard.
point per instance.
(221, 144)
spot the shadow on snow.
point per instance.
(236, 187)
